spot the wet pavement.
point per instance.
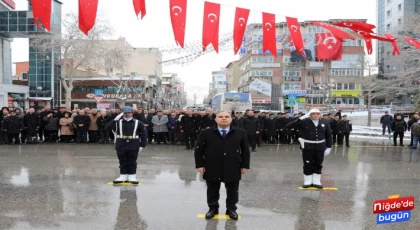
(61, 186)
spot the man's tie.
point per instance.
(223, 133)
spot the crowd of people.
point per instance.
(174, 126)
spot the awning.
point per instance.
(40, 98)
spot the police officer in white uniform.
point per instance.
(131, 138)
(316, 141)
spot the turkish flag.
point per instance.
(368, 42)
(269, 33)
(339, 34)
(211, 25)
(41, 10)
(357, 26)
(328, 47)
(178, 10)
(140, 6)
(296, 35)
(394, 44)
(87, 14)
(412, 42)
(241, 19)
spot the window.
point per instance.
(399, 21)
(291, 86)
(339, 86)
(315, 72)
(388, 26)
(291, 73)
(388, 54)
(262, 73)
(349, 42)
(352, 86)
(286, 58)
(399, 7)
(262, 59)
(388, 13)
(388, 1)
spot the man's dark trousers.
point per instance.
(213, 195)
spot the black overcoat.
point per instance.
(271, 127)
(221, 157)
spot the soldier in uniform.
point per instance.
(315, 144)
(333, 125)
(252, 127)
(131, 139)
(344, 128)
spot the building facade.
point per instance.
(233, 76)
(173, 92)
(219, 81)
(314, 83)
(392, 14)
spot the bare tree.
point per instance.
(374, 86)
(78, 51)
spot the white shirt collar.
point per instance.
(220, 129)
(316, 122)
(128, 119)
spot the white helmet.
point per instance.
(314, 111)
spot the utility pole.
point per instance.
(195, 98)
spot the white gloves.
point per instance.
(140, 149)
(118, 117)
(305, 116)
(327, 152)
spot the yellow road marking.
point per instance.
(124, 183)
(217, 217)
(353, 146)
(394, 196)
(313, 188)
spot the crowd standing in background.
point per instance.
(175, 126)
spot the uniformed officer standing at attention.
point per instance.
(222, 155)
(131, 139)
(315, 143)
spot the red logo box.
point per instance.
(393, 205)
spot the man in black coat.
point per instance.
(81, 122)
(386, 121)
(315, 144)
(208, 120)
(222, 155)
(344, 128)
(31, 123)
(252, 128)
(189, 129)
(271, 129)
(14, 127)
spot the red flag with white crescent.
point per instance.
(211, 25)
(412, 42)
(339, 34)
(269, 33)
(241, 19)
(41, 10)
(394, 44)
(357, 26)
(140, 6)
(178, 10)
(328, 47)
(87, 14)
(368, 42)
(296, 35)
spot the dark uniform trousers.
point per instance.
(12, 136)
(4, 139)
(128, 161)
(103, 135)
(313, 156)
(213, 195)
(189, 139)
(341, 138)
(81, 135)
(398, 134)
(334, 138)
(93, 136)
(252, 140)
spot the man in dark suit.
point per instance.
(222, 155)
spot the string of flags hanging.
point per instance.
(211, 21)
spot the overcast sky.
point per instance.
(155, 29)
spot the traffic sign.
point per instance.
(292, 97)
(98, 99)
(99, 92)
(292, 103)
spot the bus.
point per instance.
(231, 101)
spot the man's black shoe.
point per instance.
(232, 214)
(211, 213)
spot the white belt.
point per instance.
(302, 142)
